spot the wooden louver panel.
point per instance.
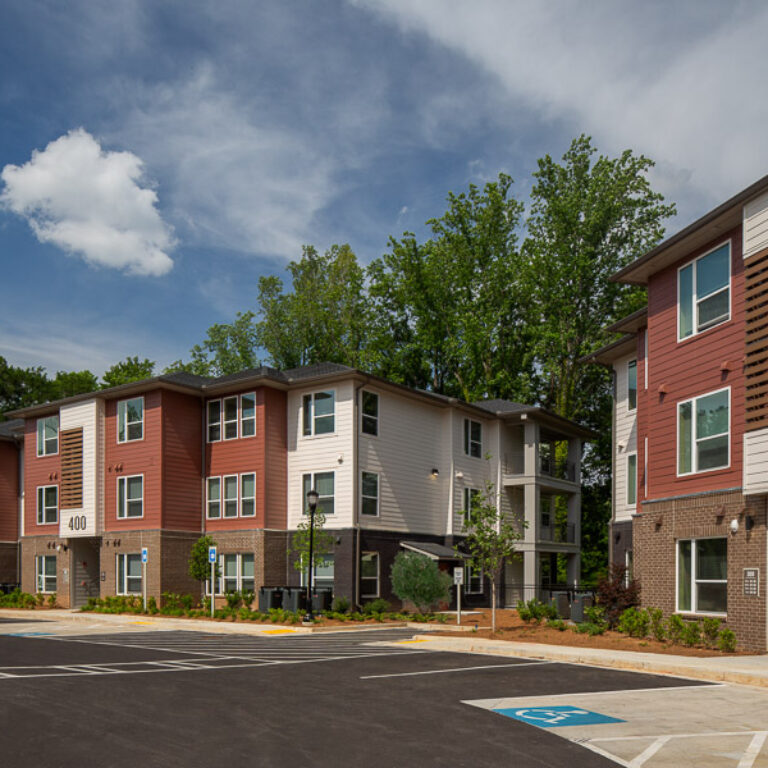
(756, 360)
(71, 489)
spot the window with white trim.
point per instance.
(473, 438)
(45, 573)
(471, 498)
(704, 292)
(369, 574)
(632, 385)
(473, 580)
(248, 415)
(214, 421)
(130, 420)
(369, 494)
(129, 574)
(236, 573)
(703, 433)
(47, 504)
(323, 574)
(230, 495)
(229, 407)
(213, 498)
(130, 496)
(370, 413)
(702, 575)
(323, 483)
(248, 494)
(632, 479)
(48, 436)
(318, 413)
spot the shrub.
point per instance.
(152, 605)
(726, 640)
(40, 598)
(535, 610)
(187, 602)
(634, 622)
(341, 604)
(523, 612)
(676, 628)
(51, 600)
(710, 629)
(691, 634)
(590, 628)
(658, 630)
(234, 599)
(417, 578)
(375, 606)
(615, 594)
(248, 596)
(557, 624)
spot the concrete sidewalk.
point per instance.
(743, 670)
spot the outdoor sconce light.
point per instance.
(734, 525)
(459, 475)
(435, 472)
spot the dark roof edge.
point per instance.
(621, 324)
(607, 350)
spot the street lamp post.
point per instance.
(312, 498)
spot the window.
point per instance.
(230, 496)
(46, 573)
(703, 292)
(473, 438)
(230, 418)
(369, 574)
(318, 413)
(702, 581)
(370, 413)
(248, 415)
(703, 438)
(47, 504)
(129, 575)
(323, 483)
(473, 580)
(214, 421)
(213, 499)
(632, 385)
(471, 498)
(369, 489)
(632, 479)
(130, 420)
(236, 574)
(130, 496)
(48, 436)
(248, 495)
(323, 573)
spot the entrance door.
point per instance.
(85, 570)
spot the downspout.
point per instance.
(20, 446)
(613, 468)
(355, 490)
(451, 478)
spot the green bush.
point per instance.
(691, 634)
(233, 598)
(152, 605)
(710, 630)
(417, 578)
(375, 606)
(592, 629)
(51, 601)
(634, 622)
(675, 629)
(248, 596)
(658, 629)
(40, 598)
(535, 610)
(726, 640)
(557, 624)
(341, 604)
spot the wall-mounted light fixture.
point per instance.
(734, 525)
(435, 472)
(459, 475)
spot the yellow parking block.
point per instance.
(416, 640)
(278, 632)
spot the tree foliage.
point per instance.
(128, 370)
(322, 543)
(199, 566)
(418, 579)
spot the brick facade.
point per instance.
(9, 573)
(664, 522)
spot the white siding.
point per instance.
(322, 453)
(756, 461)
(90, 417)
(624, 442)
(413, 439)
(756, 225)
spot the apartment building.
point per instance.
(691, 422)
(157, 463)
(10, 498)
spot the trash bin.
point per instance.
(294, 598)
(322, 599)
(270, 597)
(581, 601)
(562, 605)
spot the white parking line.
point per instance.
(649, 751)
(456, 669)
(753, 750)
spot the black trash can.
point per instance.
(581, 601)
(563, 607)
(270, 597)
(294, 598)
(322, 599)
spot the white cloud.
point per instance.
(683, 86)
(90, 202)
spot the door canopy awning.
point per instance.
(432, 550)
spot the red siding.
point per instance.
(685, 369)
(276, 437)
(139, 457)
(182, 462)
(9, 491)
(38, 470)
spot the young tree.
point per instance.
(322, 544)
(130, 369)
(199, 566)
(417, 578)
(491, 539)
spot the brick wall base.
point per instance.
(9, 562)
(661, 524)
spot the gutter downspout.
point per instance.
(355, 490)
(20, 446)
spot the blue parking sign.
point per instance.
(144, 555)
(557, 717)
(211, 554)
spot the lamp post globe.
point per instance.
(312, 497)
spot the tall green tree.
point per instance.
(130, 369)
(450, 313)
(70, 383)
(20, 387)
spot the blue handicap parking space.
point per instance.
(29, 634)
(557, 716)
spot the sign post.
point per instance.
(458, 580)
(212, 561)
(144, 558)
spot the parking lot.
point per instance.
(103, 695)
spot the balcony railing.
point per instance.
(558, 469)
(564, 533)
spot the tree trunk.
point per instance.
(493, 606)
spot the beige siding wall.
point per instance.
(756, 462)
(756, 226)
(624, 441)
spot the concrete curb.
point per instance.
(742, 670)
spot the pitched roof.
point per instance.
(9, 428)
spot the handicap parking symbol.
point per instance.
(558, 716)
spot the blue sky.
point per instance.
(158, 157)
